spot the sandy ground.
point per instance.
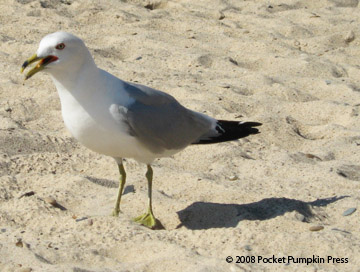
(292, 65)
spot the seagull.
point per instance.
(122, 119)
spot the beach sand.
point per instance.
(292, 65)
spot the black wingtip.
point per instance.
(250, 124)
(231, 130)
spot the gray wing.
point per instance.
(160, 122)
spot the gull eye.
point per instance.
(60, 46)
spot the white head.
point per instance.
(59, 52)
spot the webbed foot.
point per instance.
(148, 220)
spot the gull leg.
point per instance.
(121, 189)
(148, 219)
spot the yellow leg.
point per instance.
(148, 219)
(121, 189)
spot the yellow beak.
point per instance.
(34, 70)
(38, 67)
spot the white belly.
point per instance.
(93, 124)
(98, 136)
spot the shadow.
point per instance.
(206, 215)
(103, 182)
(110, 184)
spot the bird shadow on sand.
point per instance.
(207, 215)
(110, 184)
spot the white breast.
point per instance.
(91, 121)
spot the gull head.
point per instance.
(59, 51)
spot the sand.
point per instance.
(292, 65)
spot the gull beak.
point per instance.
(38, 67)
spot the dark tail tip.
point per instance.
(248, 124)
(231, 130)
